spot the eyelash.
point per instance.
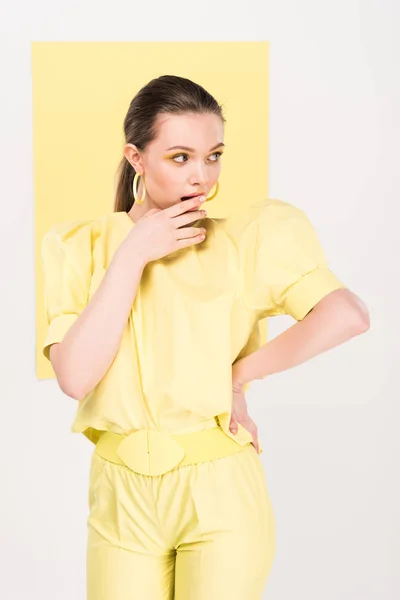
(183, 154)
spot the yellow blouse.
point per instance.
(195, 313)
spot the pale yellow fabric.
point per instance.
(196, 311)
(200, 532)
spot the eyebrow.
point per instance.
(192, 149)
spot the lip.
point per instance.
(192, 195)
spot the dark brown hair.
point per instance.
(168, 94)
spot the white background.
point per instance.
(330, 427)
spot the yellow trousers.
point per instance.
(204, 531)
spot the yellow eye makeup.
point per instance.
(173, 157)
(178, 156)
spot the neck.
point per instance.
(139, 210)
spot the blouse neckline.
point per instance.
(125, 217)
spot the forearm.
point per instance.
(90, 345)
(337, 318)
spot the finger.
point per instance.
(254, 434)
(188, 217)
(190, 232)
(255, 444)
(233, 425)
(253, 430)
(184, 206)
(197, 239)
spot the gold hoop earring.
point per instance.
(135, 188)
(214, 194)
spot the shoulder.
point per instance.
(69, 230)
(260, 217)
(74, 243)
(83, 245)
(273, 211)
(278, 209)
(276, 218)
(79, 231)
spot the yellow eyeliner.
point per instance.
(187, 153)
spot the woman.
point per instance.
(153, 317)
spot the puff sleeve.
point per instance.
(287, 271)
(66, 262)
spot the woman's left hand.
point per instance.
(240, 415)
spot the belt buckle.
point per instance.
(150, 452)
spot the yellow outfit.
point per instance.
(204, 532)
(196, 311)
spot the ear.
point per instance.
(133, 155)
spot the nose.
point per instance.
(199, 176)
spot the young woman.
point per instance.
(153, 316)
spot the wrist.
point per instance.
(238, 375)
(132, 254)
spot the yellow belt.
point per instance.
(151, 452)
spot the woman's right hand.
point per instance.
(163, 231)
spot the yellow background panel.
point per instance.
(81, 93)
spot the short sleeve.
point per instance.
(66, 262)
(287, 267)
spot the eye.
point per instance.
(217, 154)
(178, 156)
(186, 156)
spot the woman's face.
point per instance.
(183, 160)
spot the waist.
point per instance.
(151, 452)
